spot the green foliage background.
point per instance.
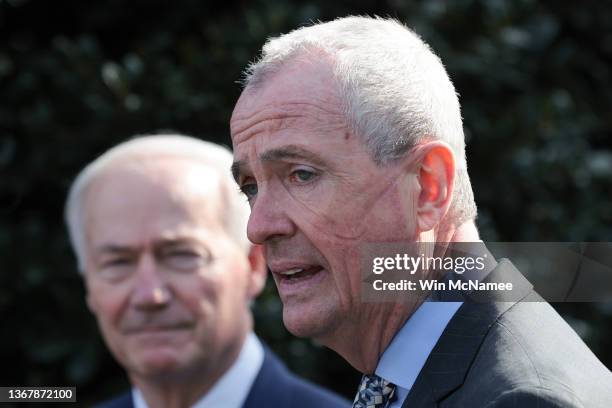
(77, 77)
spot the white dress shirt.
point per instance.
(231, 390)
(403, 360)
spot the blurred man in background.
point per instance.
(349, 133)
(159, 233)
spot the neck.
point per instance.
(445, 237)
(181, 390)
(361, 341)
(466, 232)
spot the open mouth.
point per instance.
(296, 275)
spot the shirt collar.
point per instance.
(232, 389)
(407, 353)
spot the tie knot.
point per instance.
(374, 392)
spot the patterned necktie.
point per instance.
(374, 392)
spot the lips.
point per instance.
(294, 278)
(157, 328)
(295, 275)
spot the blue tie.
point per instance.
(374, 392)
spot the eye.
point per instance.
(115, 269)
(116, 262)
(249, 190)
(302, 175)
(184, 259)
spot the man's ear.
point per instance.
(258, 270)
(436, 177)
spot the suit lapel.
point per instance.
(272, 377)
(448, 364)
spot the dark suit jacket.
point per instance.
(274, 387)
(510, 354)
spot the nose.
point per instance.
(151, 290)
(268, 219)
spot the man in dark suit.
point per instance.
(159, 234)
(347, 137)
(514, 352)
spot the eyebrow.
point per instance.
(162, 242)
(113, 249)
(283, 153)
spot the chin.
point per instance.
(308, 323)
(152, 363)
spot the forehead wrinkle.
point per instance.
(270, 122)
(280, 116)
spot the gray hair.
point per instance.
(217, 157)
(395, 90)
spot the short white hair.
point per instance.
(395, 90)
(216, 157)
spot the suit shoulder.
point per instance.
(307, 394)
(276, 387)
(536, 397)
(554, 351)
(530, 347)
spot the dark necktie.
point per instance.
(374, 392)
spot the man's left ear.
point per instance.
(436, 175)
(258, 271)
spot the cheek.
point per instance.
(214, 303)
(405, 204)
(354, 212)
(345, 263)
(198, 295)
(381, 213)
(342, 232)
(109, 304)
(207, 296)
